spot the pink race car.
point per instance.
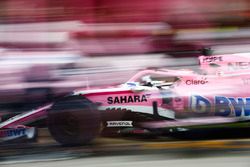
(151, 102)
(225, 63)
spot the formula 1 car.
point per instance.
(225, 63)
(151, 102)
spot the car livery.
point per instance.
(17, 133)
(223, 106)
(151, 101)
(226, 63)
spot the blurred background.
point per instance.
(49, 48)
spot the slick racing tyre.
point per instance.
(74, 120)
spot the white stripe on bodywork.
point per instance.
(123, 87)
(143, 109)
(108, 90)
(30, 115)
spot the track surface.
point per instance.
(145, 161)
(128, 152)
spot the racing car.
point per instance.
(153, 101)
(225, 63)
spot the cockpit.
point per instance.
(155, 79)
(158, 81)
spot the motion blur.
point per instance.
(122, 78)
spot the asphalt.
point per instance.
(128, 152)
(145, 160)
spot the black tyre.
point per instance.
(74, 120)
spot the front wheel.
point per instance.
(74, 120)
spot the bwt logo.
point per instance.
(223, 106)
(12, 132)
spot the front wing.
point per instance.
(10, 134)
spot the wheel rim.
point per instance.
(70, 125)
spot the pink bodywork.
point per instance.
(184, 92)
(225, 63)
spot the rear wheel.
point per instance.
(74, 120)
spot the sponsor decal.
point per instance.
(196, 81)
(12, 132)
(127, 99)
(119, 123)
(238, 65)
(199, 104)
(212, 59)
(223, 106)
